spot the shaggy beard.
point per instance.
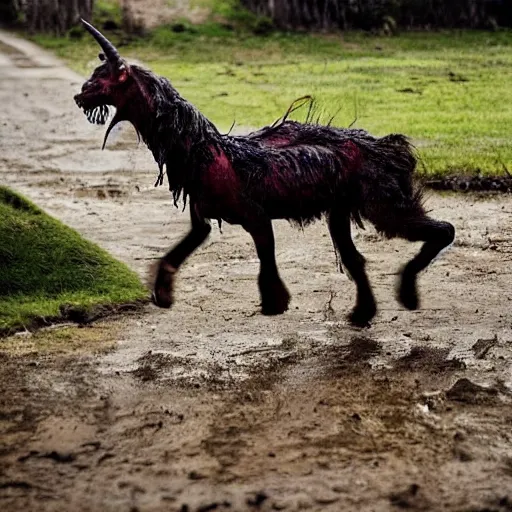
(97, 115)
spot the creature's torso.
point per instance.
(289, 171)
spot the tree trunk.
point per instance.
(8, 12)
(56, 16)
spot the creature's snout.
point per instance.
(90, 96)
(95, 113)
(79, 98)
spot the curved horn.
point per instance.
(108, 48)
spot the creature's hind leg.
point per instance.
(354, 262)
(274, 295)
(437, 236)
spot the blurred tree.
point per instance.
(56, 16)
(383, 14)
(7, 11)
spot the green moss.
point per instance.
(46, 266)
(447, 90)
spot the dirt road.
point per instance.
(211, 406)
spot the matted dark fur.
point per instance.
(290, 170)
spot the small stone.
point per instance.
(459, 436)
(505, 502)
(303, 502)
(326, 498)
(463, 454)
(468, 392)
(423, 408)
(208, 507)
(196, 475)
(258, 499)
(405, 499)
(23, 334)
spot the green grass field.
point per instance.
(46, 265)
(450, 91)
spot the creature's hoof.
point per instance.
(362, 316)
(273, 310)
(162, 292)
(162, 299)
(277, 303)
(408, 295)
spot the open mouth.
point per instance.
(95, 114)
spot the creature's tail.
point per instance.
(386, 192)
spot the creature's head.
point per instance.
(112, 83)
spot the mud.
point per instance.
(473, 183)
(211, 406)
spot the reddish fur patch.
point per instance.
(352, 154)
(278, 141)
(145, 94)
(220, 177)
(220, 195)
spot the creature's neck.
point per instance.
(173, 128)
(177, 134)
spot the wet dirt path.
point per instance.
(211, 406)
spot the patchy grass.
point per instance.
(65, 339)
(448, 91)
(48, 268)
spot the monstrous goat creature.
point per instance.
(295, 171)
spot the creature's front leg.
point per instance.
(171, 262)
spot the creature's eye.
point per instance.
(123, 75)
(102, 57)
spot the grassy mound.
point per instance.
(48, 271)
